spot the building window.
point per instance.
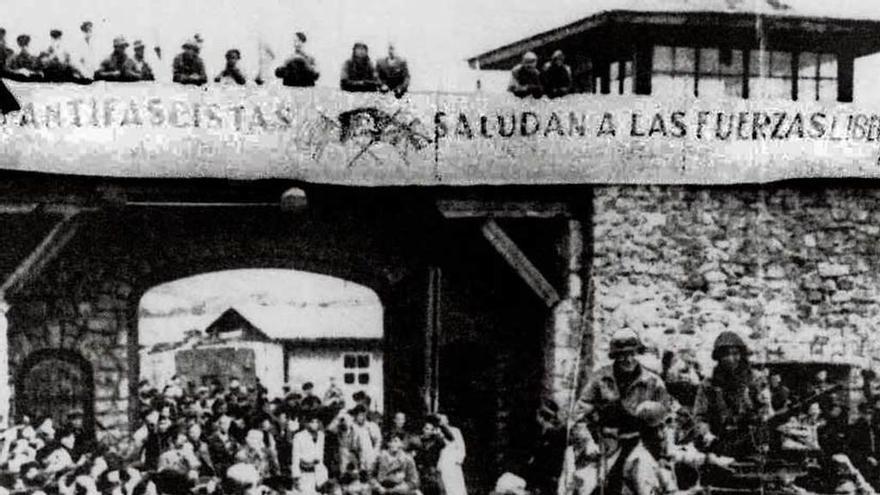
(703, 72)
(817, 77)
(622, 77)
(770, 74)
(357, 367)
(719, 73)
(674, 71)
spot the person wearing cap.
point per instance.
(525, 78)
(231, 74)
(358, 72)
(393, 73)
(142, 68)
(622, 385)
(307, 465)
(55, 62)
(188, 66)
(118, 66)
(727, 408)
(300, 69)
(646, 470)
(556, 76)
(23, 66)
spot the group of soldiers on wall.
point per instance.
(634, 431)
(56, 64)
(359, 73)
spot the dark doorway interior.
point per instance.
(53, 383)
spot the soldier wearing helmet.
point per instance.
(727, 406)
(620, 387)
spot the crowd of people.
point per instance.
(677, 431)
(390, 74)
(234, 440)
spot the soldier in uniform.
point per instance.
(231, 74)
(143, 69)
(56, 62)
(621, 386)
(556, 76)
(118, 66)
(23, 65)
(188, 66)
(358, 72)
(727, 406)
(525, 78)
(300, 69)
(393, 73)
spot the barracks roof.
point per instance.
(860, 20)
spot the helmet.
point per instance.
(625, 340)
(728, 339)
(651, 414)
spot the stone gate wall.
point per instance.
(794, 270)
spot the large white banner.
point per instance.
(321, 135)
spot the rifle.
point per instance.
(783, 414)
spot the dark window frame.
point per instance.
(797, 82)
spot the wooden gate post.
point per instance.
(563, 342)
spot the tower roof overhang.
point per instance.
(783, 29)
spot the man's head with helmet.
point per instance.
(625, 345)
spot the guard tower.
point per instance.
(707, 49)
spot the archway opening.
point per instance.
(277, 327)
